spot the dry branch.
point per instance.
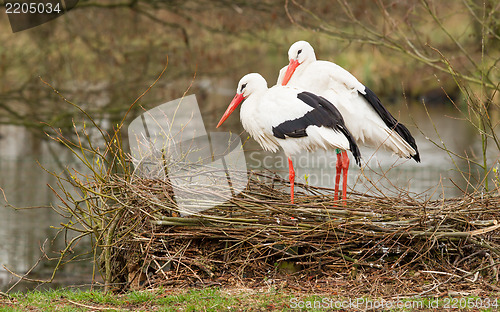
(258, 232)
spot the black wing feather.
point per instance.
(390, 121)
(323, 114)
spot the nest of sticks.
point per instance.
(259, 236)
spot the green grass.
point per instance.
(213, 299)
(209, 299)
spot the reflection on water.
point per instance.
(24, 182)
(22, 232)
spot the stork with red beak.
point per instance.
(292, 119)
(369, 122)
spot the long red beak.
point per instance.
(230, 109)
(289, 71)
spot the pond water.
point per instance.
(24, 181)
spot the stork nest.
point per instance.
(258, 236)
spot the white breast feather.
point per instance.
(260, 115)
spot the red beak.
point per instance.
(289, 71)
(230, 109)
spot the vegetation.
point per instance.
(394, 40)
(209, 299)
(216, 299)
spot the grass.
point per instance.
(219, 299)
(208, 299)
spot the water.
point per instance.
(26, 218)
(24, 182)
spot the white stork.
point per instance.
(290, 118)
(369, 122)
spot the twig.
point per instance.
(89, 306)
(23, 277)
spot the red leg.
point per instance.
(337, 176)
(345, 167)
(291, 177)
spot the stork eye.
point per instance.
(298, 52)
(243, 86)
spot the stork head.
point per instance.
(301, 52)
(248, 85)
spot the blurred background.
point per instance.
(433, 63)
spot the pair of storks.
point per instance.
(317, 104)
